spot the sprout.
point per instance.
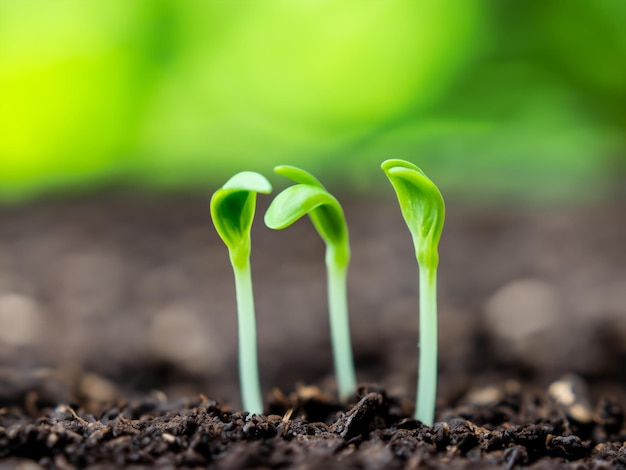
(232, 211)
(310, 197)
(423, 211)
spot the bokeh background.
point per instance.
(119, 119)
(521, 100)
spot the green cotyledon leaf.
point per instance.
(421, 205)
(232, 210)
(323, 209)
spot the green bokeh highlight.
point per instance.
(518, 99)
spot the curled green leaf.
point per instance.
(421, 205)
(232, 211)
(323, 209)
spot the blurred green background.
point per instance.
(496, 99)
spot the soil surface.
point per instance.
(117, 321)
(505, 428)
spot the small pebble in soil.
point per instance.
(570, 393)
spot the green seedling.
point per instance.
(310, 197)
(423, 210)
(232, 211)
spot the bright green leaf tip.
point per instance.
(248, 181)
(298, 175)
(395, 162)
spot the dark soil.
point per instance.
(310, 430)
(115, 311)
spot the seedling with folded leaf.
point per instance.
(232, 211)
(309, 197)
(423, 210)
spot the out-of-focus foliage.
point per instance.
(491, 97)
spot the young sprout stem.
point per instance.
(427, 380)
(309, 197)
(423, 210)
(340, 324)
(248, 362)
(232, 211)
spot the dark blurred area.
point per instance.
(138, 295)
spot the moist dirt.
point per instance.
(308, 430)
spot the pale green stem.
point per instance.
(427, 379)
(248, 363)
(340, 326)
